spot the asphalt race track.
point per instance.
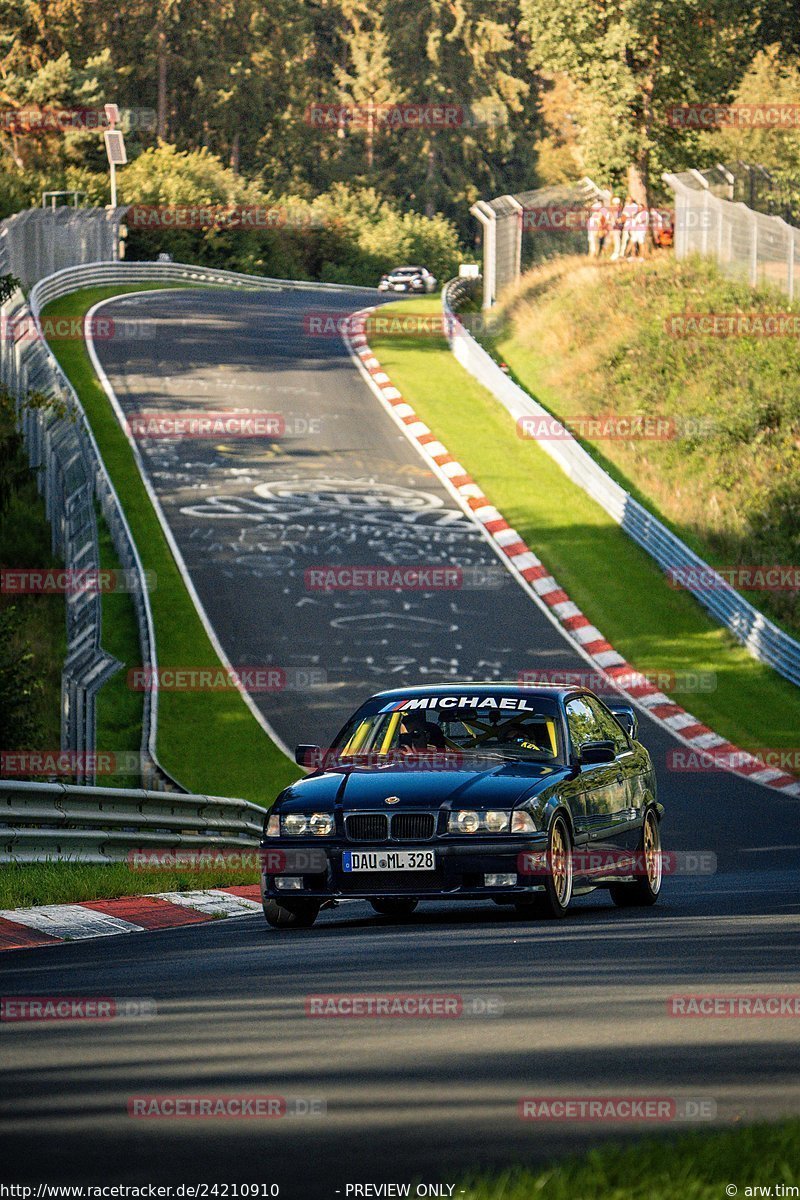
(583, 1004)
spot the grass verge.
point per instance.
(698, 1166)
(40, 620)
(617, 585)
(209, 741)
(605, 340)
(28, 884)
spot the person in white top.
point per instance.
(615, 224)
(641, 222)
(595, 228)
(628, 216)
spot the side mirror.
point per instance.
(308, 756)
(626, 715)
(596, 752)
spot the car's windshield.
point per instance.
(406, 271)
(501, 726)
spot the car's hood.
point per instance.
(491, 785)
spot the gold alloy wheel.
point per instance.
(561, 863)
(652, 852)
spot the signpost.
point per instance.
(115, 148)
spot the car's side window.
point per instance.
(612, 731)
(583, 725)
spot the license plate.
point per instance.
(388, 860)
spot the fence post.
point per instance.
(790, 263)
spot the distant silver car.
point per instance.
(408, 279)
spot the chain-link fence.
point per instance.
(544, 214)
(41, 241)
(749, 245)
(71, 477)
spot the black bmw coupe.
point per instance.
(520, 795)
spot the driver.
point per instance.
(418, 736)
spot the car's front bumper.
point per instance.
(461, 865)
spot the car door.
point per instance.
(603, 784)
(623, 829)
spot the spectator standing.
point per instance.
(595, 229)
(615, 226)
(639, 233)
(628, 217)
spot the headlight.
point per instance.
(306, 824)
(522, 822)
(273, 826)
(321, 824)
(467, 821)
(464, 822)
(496, 822)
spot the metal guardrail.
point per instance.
(760, 636)
(51, 821)
(100, 274)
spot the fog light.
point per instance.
(290, 883)
(499, 880)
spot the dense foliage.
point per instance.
(543, 93)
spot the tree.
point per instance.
(366, 82)
(632, 60)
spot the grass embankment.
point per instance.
(591, 339)
(209, 740)
(698, 1166)
(619, 587)
(71, 883)
(40, 623)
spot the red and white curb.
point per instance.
(48, 924)
(534, 576)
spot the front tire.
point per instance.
(296, 914)
(394, 908)
(645, 890)
(554, 901)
